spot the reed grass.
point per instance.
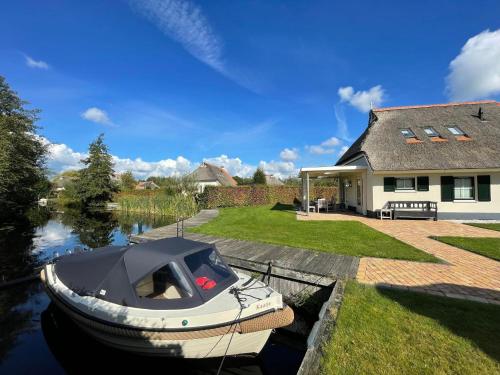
(158, 203)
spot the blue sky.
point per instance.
(281, 84)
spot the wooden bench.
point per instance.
(411, 209)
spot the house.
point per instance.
(273, 181)
(210, 175)
(146, 185)
(444, 153)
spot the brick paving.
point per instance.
(462, 274)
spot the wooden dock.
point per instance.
(310, 266)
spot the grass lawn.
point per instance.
(396, 332)
(278, 225)
(492, 226)
(487, 246)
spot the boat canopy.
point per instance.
(172, 273)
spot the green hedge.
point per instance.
(228, 196)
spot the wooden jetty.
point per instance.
(286, 261)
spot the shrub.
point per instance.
(228, 196)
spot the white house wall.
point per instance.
(446, 210)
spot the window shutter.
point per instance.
(389, 184)
(483, 188)
(423, 183)
(447, 184)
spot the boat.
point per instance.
(170, 297)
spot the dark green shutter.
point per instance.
(483, 189)
(423, 183)
(447, 185)
(389, 184)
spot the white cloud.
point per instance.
(234, 166)
(144, 169)
(331, 142)
(62, 157)
(36, 64)
(185, 23)
(326, 147)
(280, 169)
(362, 100)
(320, 150)
(289, 154)
(97, 115)
(475, 72)
(343, 149)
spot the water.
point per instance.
(36, 338)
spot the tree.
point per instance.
(127, 181)
(22, 153)
(243, 180)
(95, 186)
(259, 177)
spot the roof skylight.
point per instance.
(455, 130)
(431, 132)
(408, 133)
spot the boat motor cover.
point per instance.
(112, 273)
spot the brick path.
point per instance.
(464, 274)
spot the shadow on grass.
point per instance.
(475, 321)
(283, 207)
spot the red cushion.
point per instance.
(209, 284)
(200, 281)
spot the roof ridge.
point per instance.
(434, 105)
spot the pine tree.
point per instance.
(259, 177)
(95, 186)
(22, 153)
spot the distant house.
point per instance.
(444, 153)
(146, 185)
(210, 175)
(272, 180)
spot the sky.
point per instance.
(276, 84)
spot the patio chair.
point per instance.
(322, 204)
(332, 205)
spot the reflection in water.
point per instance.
(63, 348)
(58, 330)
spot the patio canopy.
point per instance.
(333, 171)
(324, 172)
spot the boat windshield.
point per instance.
(208, 269)
(166, 283)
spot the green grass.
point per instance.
(395, 332)
(278, 225)
(486, 246)
(492, 226)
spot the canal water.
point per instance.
(36, 338)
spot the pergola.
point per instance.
(324, 172)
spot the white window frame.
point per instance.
(474, 187)
(405, 190)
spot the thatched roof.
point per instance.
(387, 149)
(210, 173)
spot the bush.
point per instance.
(228, 196)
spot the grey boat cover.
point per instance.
(112, 273)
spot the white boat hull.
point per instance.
(248, 338)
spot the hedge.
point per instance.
(228, 196)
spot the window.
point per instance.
(166, 283)
(408, 133)
(463, 188)
(456, 131)
(207, 268)
(431, 132)
(406, 183)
